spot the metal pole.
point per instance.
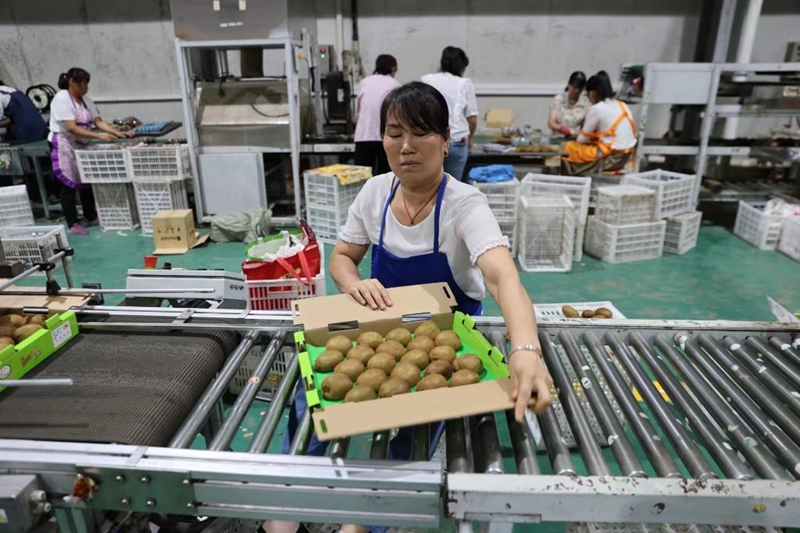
(746, 441)
(270, 422)
(656, 452)
(587, 445)
(64, 265)
(36, 382)
(191, 426)
(237, 413)
(791, 353)
(421, 442)
(294, 123)
(626, 457)
(717, 444)
(694, 460)
(788, 422)
(303, 435)
(380, 446)
(339, 448)
(787, 452)
(30, 271)
(774, 357)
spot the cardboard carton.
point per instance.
(174, 233)
(327, 316)
(499, 118)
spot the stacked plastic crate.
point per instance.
(15, 206)
(329, 193)
(789, 243)
(108, 170)
(502, 197)
(159, 176)
(33, 244)
(546, 234)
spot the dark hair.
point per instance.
(78, 75)
(600, 85)
(420, 106)
(385, 64)
(454, 60)
(577, 79)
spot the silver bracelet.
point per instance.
(526, 348)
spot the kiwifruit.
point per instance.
(603, 312)
(328, 360)
(361, 352)
(587, 313)
(15, 320)
(570, 312)
(7, 330)
(372, 377)
(372, 339)
(401, 335)
(417, 358)
(351, 368)
(443, 353)
(407, 372)
(392, 347)
(384, 361)
(336, 386)
(36, 319)
(432, 381)
(393, 387)
(24, 332)
(360, 393)
(6, 341)
(448, 338)
(427, 329)
(470, 361)
(441, 367)
(464, 377)
(340, 343)
(422, 342)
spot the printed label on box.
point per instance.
(62, 334)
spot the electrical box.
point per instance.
(326, 59)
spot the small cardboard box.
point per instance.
(327, 316)
(174, 233)
(499, 118)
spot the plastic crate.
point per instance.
(116, 206)
(152, 197)
(32, 244)
(277, 295)
(621, 244)
(554, 310)
(103, 165)
(790, 238)
(756, 227)
(681, 233)
(325, 189)
(274, 376)
(15, 206)
(602, 180)
(546, 234)
(326, 223)
(509, 229)
(160, 163)
(502, 198)
(675, 193)
(625, 204)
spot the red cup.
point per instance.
(150, 262)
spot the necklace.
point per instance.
(421, 209)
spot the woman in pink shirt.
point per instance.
(370, 94)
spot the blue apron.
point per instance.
(27, 124)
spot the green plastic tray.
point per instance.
(472, 341)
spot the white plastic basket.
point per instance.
(620, 244)
(278, 295)
(625, 204)
(546, 234)
(675, 193)
(103, 165)
(681, 233)
(602, 180)
(509, 229)
(790, 238)
(15, 206)
(116, 206)
(554, 310)
(325, 190)
(32, 244)
(756, 227)
(325, 223)
(502, 198)
(273, 378)
(152, 197)
(160, 163)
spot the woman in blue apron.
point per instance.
(20, 116)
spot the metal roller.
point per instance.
(745, 440)
(339, 448)
(717, 444)
(769, 377)
(788, 422)
(302, 437)
(775, 358)
(584, 437)
(459, 458)
(787, 451)
(628, 461)
(380, 446)
(687, 450)
(490, 454)
(557, 451)
(656, 452)
(421, 443)
(787, 349)
(269, 423)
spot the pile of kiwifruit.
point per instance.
(381, 368)
(15, 328)
(600, 312)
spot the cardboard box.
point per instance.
(327, 316)
(174, 233)
(499, 118)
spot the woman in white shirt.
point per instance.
(459, 92)
(568, 109)
(72, 116)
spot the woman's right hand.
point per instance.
(371, 293)
(105, 137)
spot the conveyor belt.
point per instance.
(130, 388)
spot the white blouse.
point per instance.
(467, 229)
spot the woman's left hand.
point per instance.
(529, 376)
(125, 134)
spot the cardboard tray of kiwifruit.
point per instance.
(413, 363)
